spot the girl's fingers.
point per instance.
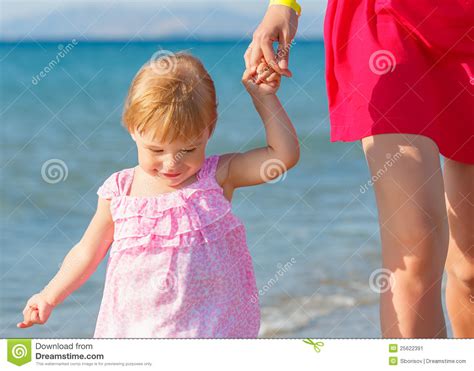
(26, 321)
(264, 75)
(273, 84)
(30, 317)
(273, 77)
(26, 314)
(42, 317)
(33, 313)
(35, 316)
(247, 75)
(23, 324)
(29, 308)
(262, 67)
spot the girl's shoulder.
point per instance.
(116, 184)
(217, 167)
(222, 167)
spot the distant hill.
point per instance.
(120, 20)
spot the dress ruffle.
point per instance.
(206, 235)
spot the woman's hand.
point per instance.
(279, 24)
(269, 86)
(37, 311)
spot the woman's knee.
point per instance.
(460, 202)
(414, 249)
(463, 274)
(422, 230)
(460, 262)
(418, 277)
(417, 241)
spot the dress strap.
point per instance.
(117, 184)
(209, 167)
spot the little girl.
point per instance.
(179, 265)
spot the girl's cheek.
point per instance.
(150, 162)
(155, 164)
(199, 161)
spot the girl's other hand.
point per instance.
(36, 312)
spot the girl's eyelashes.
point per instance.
(183, 150)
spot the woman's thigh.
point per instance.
(408, 185)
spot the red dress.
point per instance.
(401, 66)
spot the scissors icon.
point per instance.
(316, 345)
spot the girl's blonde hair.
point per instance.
(171, 97)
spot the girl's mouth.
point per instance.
(171, 175)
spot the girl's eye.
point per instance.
(157, 150)
(188, 150)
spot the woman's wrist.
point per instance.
(293, 4)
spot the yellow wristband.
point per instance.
(289, 3)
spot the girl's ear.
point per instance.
(133, 137)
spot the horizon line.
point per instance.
(143, 41)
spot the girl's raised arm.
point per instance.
(78, 265)
(282, 152)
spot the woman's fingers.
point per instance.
(269, 55)
(255, 53)
(247, 55)
(283, 57)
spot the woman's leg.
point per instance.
(409, 190)
(459, 185)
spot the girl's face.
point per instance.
(172, 162)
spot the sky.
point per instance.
(38, 20)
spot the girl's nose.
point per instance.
(170, 162)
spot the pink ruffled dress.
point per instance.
(179, 266)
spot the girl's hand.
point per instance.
(37, 311)
(268, 86)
